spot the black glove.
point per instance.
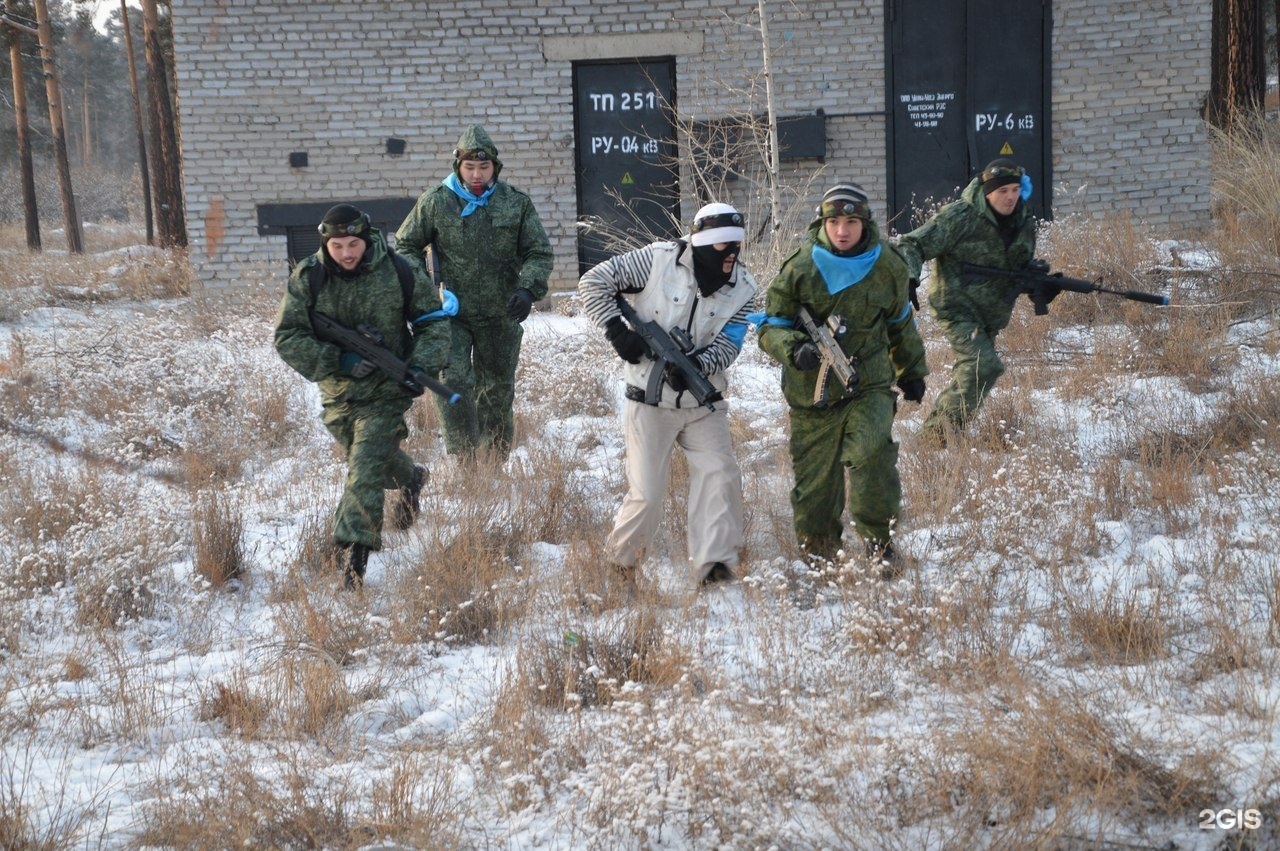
(518, 305)
(914, 284)
(629, 345)
(806, 356)
(674, 379)
(1041, 294)
(912, 389)
(415, 381)
(355, 366)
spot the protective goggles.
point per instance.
(1000, 171)
(481, 155)
(844, 207)
(719, 220)
(356, 228)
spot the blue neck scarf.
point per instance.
(474, 202)
(840, 273)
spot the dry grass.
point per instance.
(107, 271)
(410, 802)
(1247, 182)
(585, 668)
(237, 808)
(1121, 628)
(219, 538)
(1035, 769)
(243, 712)
(1083, 652)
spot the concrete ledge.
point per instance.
(569, 48)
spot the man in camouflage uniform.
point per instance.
(988, 226)
(363, 408)
(495, 257)
(842, 269)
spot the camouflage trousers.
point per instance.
(976, 368)
(856, 437)
(369, 434)
(482, 368)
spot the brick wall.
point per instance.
(1128, 81)
(336, 79)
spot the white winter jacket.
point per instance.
(660, 281)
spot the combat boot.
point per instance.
(405, 509)
(717, 573)
(352, 560)
(882, 555)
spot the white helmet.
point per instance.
(716, 223)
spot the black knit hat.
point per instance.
(999, 173)
(845, 199)
(344, 220)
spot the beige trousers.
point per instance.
(714, 520)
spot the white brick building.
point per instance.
(262, 84)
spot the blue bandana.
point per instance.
(474, 202)
(840, 273)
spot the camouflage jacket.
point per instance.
(372, 296)
(881, 332)
(484, 257)
(965, 231)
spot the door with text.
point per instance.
(968, 81)
(625, 140)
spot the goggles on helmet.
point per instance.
(999, 171)
(844, 207)
(482, 155)
(719, 220)
(356, 228)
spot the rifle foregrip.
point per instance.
(421, 378)
(1148, 298)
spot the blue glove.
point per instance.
(355, 366)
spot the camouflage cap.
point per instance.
(475, 144)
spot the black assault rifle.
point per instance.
(670, 349)
(1037, 283)
(826, 337)
(366, 341)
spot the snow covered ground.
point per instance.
(1083, 652)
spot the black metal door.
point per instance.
(968, 82)
(628, 178)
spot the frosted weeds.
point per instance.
(1064, 589)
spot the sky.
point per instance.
(102, 10)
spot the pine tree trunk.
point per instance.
(166, 158)
(29, 210)
(53, 92)
(1238, 79)
(143, 169)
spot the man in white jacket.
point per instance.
(697, 285)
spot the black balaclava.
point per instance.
(708, 266)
